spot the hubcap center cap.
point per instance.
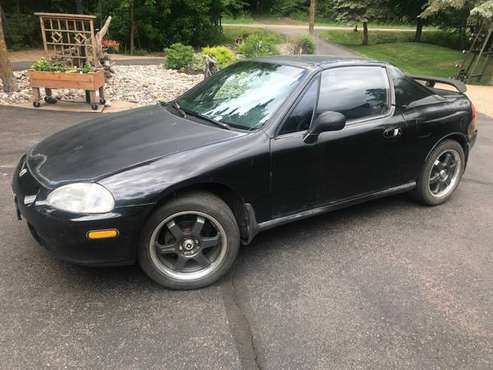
(443, 174)
(188, 244)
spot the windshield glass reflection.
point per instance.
(245, 95)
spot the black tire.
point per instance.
(94, 106)
(51, 100)
(216, 212)
(102, 101)
(423, 192)
(36, 104)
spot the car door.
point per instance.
(295, 167)
(375, 151)
(370, 154)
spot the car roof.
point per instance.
(316, 61)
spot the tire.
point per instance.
(433, 186)
(179, 234)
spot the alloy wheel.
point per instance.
(445, 173)
(188, 245)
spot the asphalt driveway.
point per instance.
(388, 284)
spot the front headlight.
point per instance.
(81, 198)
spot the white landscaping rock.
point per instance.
(142, 85)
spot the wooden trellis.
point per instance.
(69, 37)
(479, 56)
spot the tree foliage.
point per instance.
(156, 23)
(361, 11)
(479, 8)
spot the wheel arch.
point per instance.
(456, 136)
(241, 210)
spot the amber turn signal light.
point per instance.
(102, 234)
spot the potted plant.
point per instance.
(55, 74)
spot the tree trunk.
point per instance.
(6, 73)
(419, 30)
(78, 7)
(365, 34)
(100, 13)
(311, 26)
(355, 29)
(132, 27)
(98, 50)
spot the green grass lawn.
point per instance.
(415, 58)
(398, 48)
(231, 33)
(302, 19)
(245, 19)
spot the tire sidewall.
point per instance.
(198, 202)
(423, 189)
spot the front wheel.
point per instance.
(441, 173)
(189, 242)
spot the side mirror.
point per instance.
(327, 121)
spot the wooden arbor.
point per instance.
(479, 56)
(69, 37)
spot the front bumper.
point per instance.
(65, 234)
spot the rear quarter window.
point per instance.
(407, 91)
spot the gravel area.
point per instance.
(142, 85)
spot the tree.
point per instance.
(311, 26)
(78, 7)
(410, 10)
(6, 73)
(482, 8)
(132, 26)
(456, 13)
(360, 11)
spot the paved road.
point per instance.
(323, 47)
(388, 284)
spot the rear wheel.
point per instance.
(189, 242)
(441, 173)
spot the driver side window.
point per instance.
(301, 116)
(358, 92)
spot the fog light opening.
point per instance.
(102, 234)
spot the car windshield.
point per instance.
(244, 95)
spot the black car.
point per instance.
(179, 186)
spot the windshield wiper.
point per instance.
(205, 118)
(175, 105)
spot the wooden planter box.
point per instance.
(91, 82)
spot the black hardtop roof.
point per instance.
(316, 61)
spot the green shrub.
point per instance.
(197, 63)
(223, 55)
(58, 65)
(303, 45)
(256, 45)
(178, 56)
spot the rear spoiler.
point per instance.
(431, 81)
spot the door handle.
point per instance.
(390, 133)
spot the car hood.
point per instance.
(98, 148)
